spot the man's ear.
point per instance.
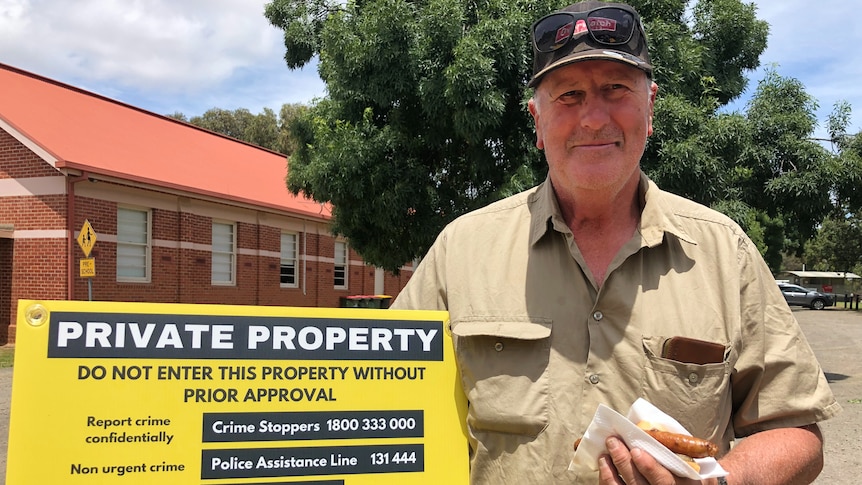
(534, 111)
(653, 90)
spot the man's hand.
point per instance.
(781, 456)
(636, 467)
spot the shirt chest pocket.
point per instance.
(504, 372)
(699, 393)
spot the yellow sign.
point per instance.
(138, 393)
(87, 238)
(88, 268)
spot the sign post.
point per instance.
(140, 393)
(86, 240)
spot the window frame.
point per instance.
(147, 246)
(345, 264)
(232, 254)
(294, 259)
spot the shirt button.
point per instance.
(594, 378)
(693, 377)
(498, 346)
(597, 316)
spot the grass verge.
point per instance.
(7, 356)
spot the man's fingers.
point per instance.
(608, 472)
(653, 472)
(622, 461)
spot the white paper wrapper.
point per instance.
(608, 422)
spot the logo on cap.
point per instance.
(581, 28)
(601, 23)
(564, 32)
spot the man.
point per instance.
(565, 296)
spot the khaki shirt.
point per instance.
(539, 346)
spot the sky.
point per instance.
(188, 56)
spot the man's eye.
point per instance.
(616, 90)
(571, 96)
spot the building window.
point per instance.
(223, 253)
(133, 245)
(340, 270)
(288, 260)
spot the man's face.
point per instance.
(592, 120)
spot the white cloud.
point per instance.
(155, 44)
(816, 44)
(193, 54)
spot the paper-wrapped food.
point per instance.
(608, 422)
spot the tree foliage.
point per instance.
(265, 129)
(848, 177)
(837, 245)
(425, 118)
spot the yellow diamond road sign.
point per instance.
(87, 238)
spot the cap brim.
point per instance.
(597, 54)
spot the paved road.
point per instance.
(5, 401)
(836, 337)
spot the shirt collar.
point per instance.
(544, 209)
(657, 217)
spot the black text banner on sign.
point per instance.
(136, 393)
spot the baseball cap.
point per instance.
(586, 31)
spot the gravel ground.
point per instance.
(836, 337)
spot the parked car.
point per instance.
(797, 295)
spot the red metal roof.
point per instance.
(88, 132)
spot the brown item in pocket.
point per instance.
(692, 351)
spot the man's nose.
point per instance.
(594, 113)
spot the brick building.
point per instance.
(180, 214)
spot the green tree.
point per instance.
(265, 129)
(837, 245)
(426, 118)
(789, 176)
(178, 115)
(848, 162)
(232, 123)
(287, 115)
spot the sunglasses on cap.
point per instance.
(611, 26)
